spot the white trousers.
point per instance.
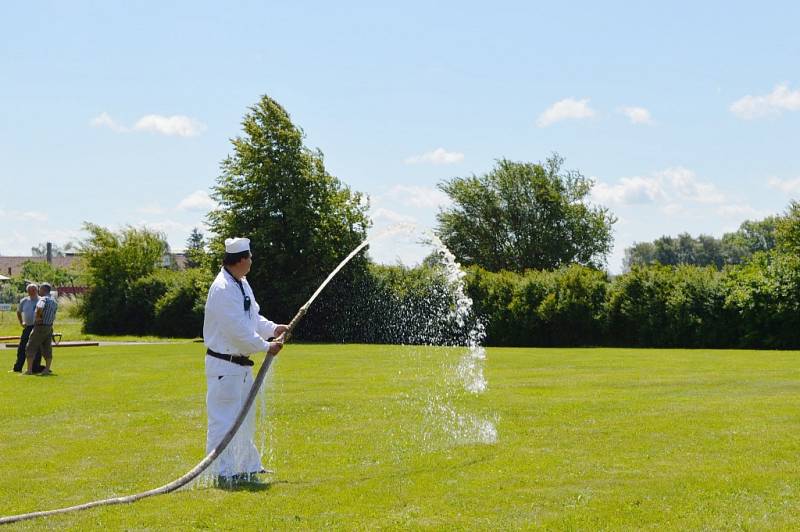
(225, 397)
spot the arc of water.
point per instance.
(211, 456)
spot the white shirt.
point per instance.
(229, 329)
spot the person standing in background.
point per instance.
(42, 334)
(26, 314)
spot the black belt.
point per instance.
(236, 359)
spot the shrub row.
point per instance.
(756, 305)
(164, 303)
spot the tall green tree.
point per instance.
(300, 219)
(195, 249)
(114, 262)
(787, 230)
(524, 216)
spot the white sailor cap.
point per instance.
(237, 245)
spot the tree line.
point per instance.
(704, 250)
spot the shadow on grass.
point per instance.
(251, 486)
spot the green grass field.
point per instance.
(71, 329)
(587, 439)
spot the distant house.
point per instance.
(174, 261)
(11, 266)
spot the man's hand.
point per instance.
(274, 348)
(280, 329)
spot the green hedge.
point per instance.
(164, 303)
(546, 308)
(756, 305)
(669, 306)
(764, 295)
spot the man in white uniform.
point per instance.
(232, 330)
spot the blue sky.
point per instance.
(687, 116)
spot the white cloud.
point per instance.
(105, 120)
(151, 208)
(437, 156)
(420, 197)
(686, 186)
(563, 110)
(674, 209)
(179, 125)
(739, 211)
(637, 115)
(779, 100)
(167, 226)
(198, 200)
(671, 187)
(60, 235)
(175, 125)
(14, 243)
(788, 186)
(36, 216)
(389, 215)
(629, 190)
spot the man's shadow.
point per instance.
(245, 486)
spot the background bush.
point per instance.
(764, 297)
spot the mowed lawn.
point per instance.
(587, 439)
(71, 328)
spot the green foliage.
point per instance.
(637, 306)
(301, 220)
(492, 294)
(524, 216)
(179, 312)
(787, 231)
(41, 271)
(560, 307)
(196, 255)
(167, 303)
(114, 262)
(758, 235)
(391, 304)
(753, 305)
(574, 308)
(529, 327)
(765, 296)
(705, 250)
(10, 293)
(144, 294)
(669, 306)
